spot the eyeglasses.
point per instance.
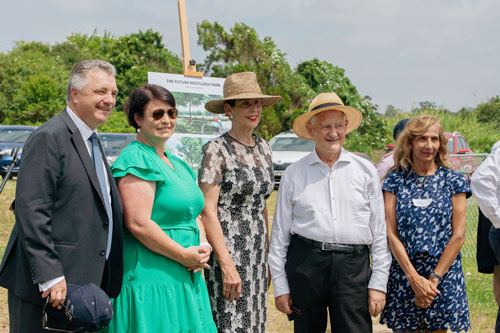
(172, 113)
(45, 319)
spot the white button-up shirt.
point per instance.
(343, 205)
(485, 185)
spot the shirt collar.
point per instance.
(84, 129)
(343, 157)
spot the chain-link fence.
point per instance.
(472, 214)
(470, 244)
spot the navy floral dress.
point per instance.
(423, 212)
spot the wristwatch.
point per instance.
(435, 275)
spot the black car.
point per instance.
(12, 136)
(113, 144)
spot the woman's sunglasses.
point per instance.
(172, 113)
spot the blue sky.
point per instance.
(399, 52)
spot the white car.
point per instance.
(287, 148)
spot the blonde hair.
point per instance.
(419, 125)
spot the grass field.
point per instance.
(479, 286)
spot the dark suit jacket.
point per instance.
(61, 222)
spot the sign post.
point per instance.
(188, 64)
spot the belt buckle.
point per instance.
(327, 246)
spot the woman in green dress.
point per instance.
(165, 246)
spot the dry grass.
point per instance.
(6, 223)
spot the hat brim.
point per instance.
(353, 116)
(217, 106)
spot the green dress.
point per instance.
(160, 294)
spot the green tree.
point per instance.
(32, 82)
(391, 111)
(133, 55)
(489, 112)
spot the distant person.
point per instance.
(68, 226)
(485, 184)
(236, 177)
(425, 214)
(216, 125)
(164, 243)
(387, 162)
(328, 224)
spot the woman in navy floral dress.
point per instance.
(425, 213)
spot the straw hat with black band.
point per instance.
(241, 86)
(326, 102)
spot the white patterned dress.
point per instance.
(245, 177)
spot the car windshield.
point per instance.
(17, 135)
(450, 145)
(109, 141)
(292, 144)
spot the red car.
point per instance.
(458, 149)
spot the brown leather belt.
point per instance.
(333, 247)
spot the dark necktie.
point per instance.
(101, 175)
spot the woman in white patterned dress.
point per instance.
(236, 177)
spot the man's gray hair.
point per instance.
(78, 78)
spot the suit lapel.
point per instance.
(81, 149)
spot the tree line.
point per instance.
(33, 78)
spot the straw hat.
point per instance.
(326, 102)
(241, 86)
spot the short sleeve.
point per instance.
(138, 163)
(211, 164)
(459, 183)
(391, 183)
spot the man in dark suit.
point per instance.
(68, 211)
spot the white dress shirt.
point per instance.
(485, 185)
(384, 165)
(342, 205)
(85, 132)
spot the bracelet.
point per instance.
(435, 275)
(207, 244)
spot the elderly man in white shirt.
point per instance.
(485, 185)
(329, 221)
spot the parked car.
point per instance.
(12, 136)
(287, 148)
(114, 143)
(458, 149)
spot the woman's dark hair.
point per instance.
(141, 96)
(231, 102)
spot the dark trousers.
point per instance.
(24, 317)
(494, 237)
(321, 280)
(485, 257)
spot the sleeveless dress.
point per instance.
(424, 228)
(160, 294)
(245, 176)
